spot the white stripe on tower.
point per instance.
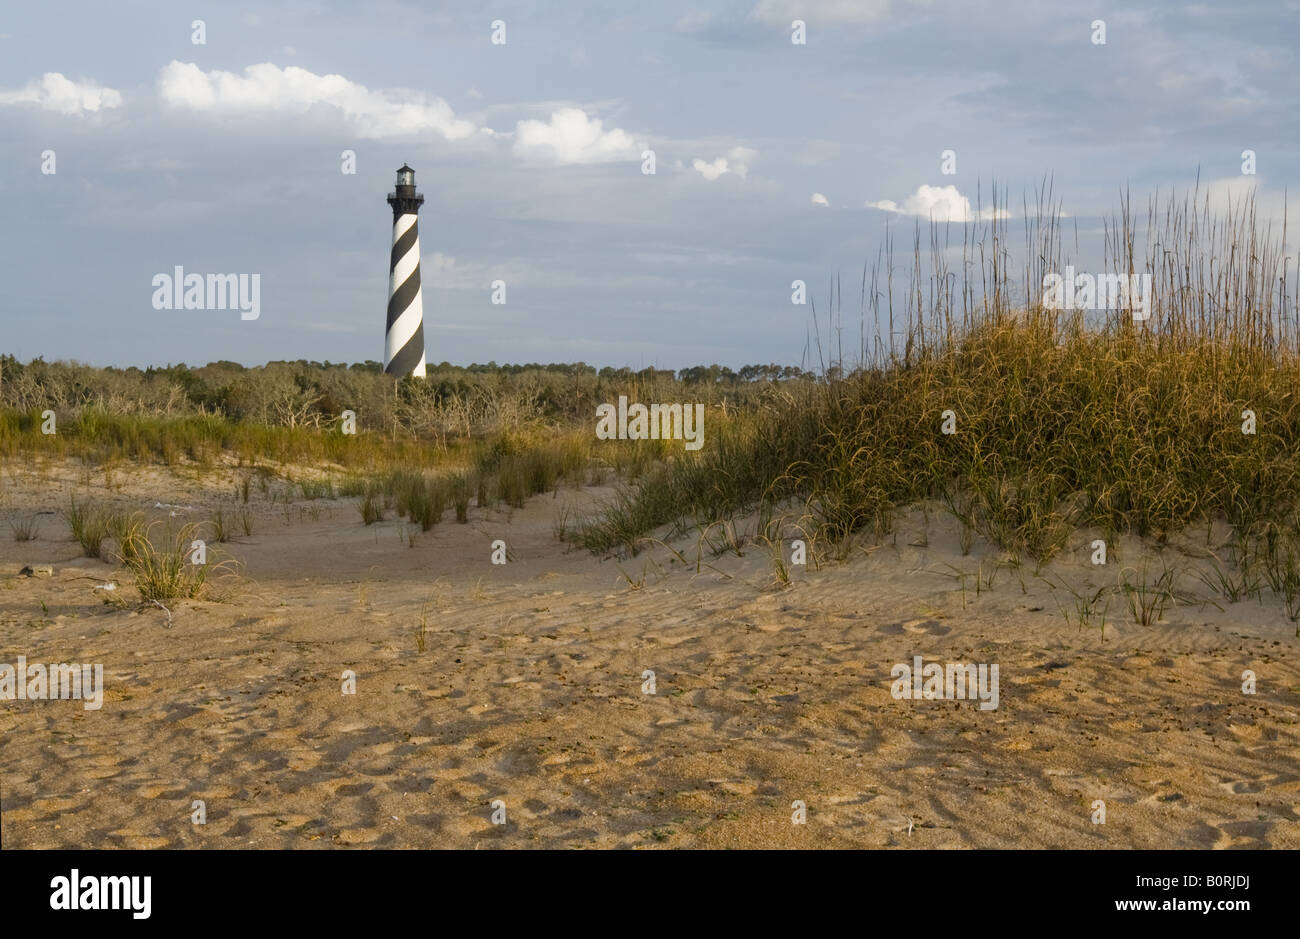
(404, 337)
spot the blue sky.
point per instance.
(774, 161)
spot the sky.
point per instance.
(128, 148)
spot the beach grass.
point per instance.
(1030, 423)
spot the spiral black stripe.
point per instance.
(409, 356)
(403, 296)
(403, 245)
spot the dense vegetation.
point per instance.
(1025, 421)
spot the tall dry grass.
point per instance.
(1063, 418)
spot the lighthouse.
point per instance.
(404, 336)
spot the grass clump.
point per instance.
(220, 526)
(163, 571)
(317, 489)
(90, 526)
(460, 495)
(425, 501)
(371, 506)
(25, 529)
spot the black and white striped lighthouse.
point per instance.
(404, 337)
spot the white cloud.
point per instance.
(819, 199)
(710, 171)
(740, 158)
(736, 161)
(783, 12)
(1233, 191)
(268, 88)
(1236, 194)
(54, 92)
(572, 137)
(289, 50)
(942, 204)
(440, 270)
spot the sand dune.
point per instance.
(529, 691)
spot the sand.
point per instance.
(530, 691)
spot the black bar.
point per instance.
(980, 889)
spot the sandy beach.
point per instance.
(530, 691)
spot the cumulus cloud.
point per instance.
(736, 161)
(441, 270)
(1236, 194)
(819, 199)
(710, 171)
(940, 203)
(55, 92)
(267, 88)
(572, 137)
(1234, 191)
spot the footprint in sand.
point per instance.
(928, 627)
(1242, 786)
